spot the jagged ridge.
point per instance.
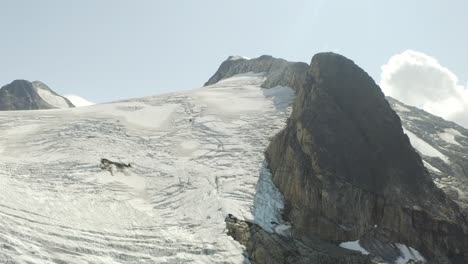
(279, 72)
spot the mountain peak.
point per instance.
(25, 95)
(350, 173)
(278, 72)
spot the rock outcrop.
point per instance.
(278, 72)
(348, 172)
(25, 95)
(263, 247)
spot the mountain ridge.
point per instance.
(26, 95)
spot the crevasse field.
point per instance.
(196, 156)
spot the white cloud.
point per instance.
(77, 100)
(419, 80)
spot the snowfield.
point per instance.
(425, 148)
(52, 99)
(196, 156)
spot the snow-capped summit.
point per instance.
(25, 95)
(237, 57)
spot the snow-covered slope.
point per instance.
(196, 156)
(78, 101)
(50, 97)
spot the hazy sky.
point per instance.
(110, 49)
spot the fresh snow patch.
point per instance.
(52, 99)
(400, 108)
(133, 181)
(281, 95)
(449, 135)
(250, 79)
(269, 204)
(237, 57)
(408, 253)
(425, 148)
(78, 101)
(354, 245)
(430, 167)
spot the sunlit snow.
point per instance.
(51, 98)
(425, 148)
(196, 156)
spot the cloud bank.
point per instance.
(419, 80)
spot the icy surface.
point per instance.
(425, 148)
(408, 253)
(269, 204)
(400, 108)
(78, 101)
(196, 156)
(52, 99)
(237, 57)
(449, 136)
(354, 245)
(430, 167)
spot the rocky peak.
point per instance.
(348, 172)
(277, 71)
(25, 95)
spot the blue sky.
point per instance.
(114, 49)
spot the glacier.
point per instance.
(196, 156)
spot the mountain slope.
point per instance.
(443, 145)
(348, 172)
(25, 95)
(195, 157)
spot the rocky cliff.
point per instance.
(277, 71)
(25, 95)
(348, 172)
(264, 247)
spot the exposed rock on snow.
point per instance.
(263, 247)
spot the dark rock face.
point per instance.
(263, 247)
(22, 95)
(278, 71)
(348, 171)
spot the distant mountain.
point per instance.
(443, 146)
(25, 95)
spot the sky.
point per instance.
(113, 49)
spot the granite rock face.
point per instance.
(278, 72)
(263, 247)
(23, 95)
(348, 172)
